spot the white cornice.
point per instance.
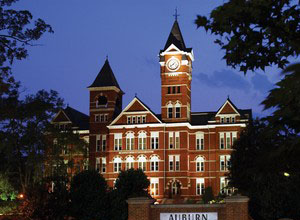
(178, 51)
(172, 125)
(104, 88)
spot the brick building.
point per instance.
(181, 152)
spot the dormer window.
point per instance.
(102, 102)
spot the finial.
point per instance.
(227, 96)
(176, 14)
(135, 94)
(106, 57)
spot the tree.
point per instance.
(23, 140)
(17, 31)
(88, 196)
(260, 173)
(130, 183)
(255, 34)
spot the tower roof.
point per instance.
(175, 37)
(105, 77)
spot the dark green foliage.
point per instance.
(257, 170)
(208, 195)
(43, 203)
(130, 183)
(88, 196)
(285, 99)
(23, 140)
(255, 33)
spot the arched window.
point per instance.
(142, 162)
(130, 141)
(129, 162)
(177, 110)
(200, 164)
(170, 110)
(175, 188)
(117, 164)
(101, 102)
(142, 140)
(154, 163)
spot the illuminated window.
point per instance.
(177, 140)
(222, 146)
(98, 164)
(98, 142)
(154, 186)
(224, 162)
(154, 140)
(200, 164)
(117, 164)
(170, 110)
(228, 143)
(142, 139)
(130, 141)
(154, 163)
(103, 167)
(199, 141)
(118, 141)
(129, 163)
(171, 140)
(142, 163)
(103, 142)
(177, 110)
(200, 186)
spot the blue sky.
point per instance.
(131, 33)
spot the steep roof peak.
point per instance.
(175, 37)
(105, 77)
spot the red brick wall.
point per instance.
(235, 208)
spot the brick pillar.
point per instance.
(237, 208)
(139, 208)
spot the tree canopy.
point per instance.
(255, 34)
(88, 196)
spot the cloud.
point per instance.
(224, 78)
(261, 83)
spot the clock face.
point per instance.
(173, 64)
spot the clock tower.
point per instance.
(176, 76)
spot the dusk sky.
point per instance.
(131, 33)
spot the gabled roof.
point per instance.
(244, 113)
(127, 109)
(78, 119)
(105, 77)
(233, 107)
